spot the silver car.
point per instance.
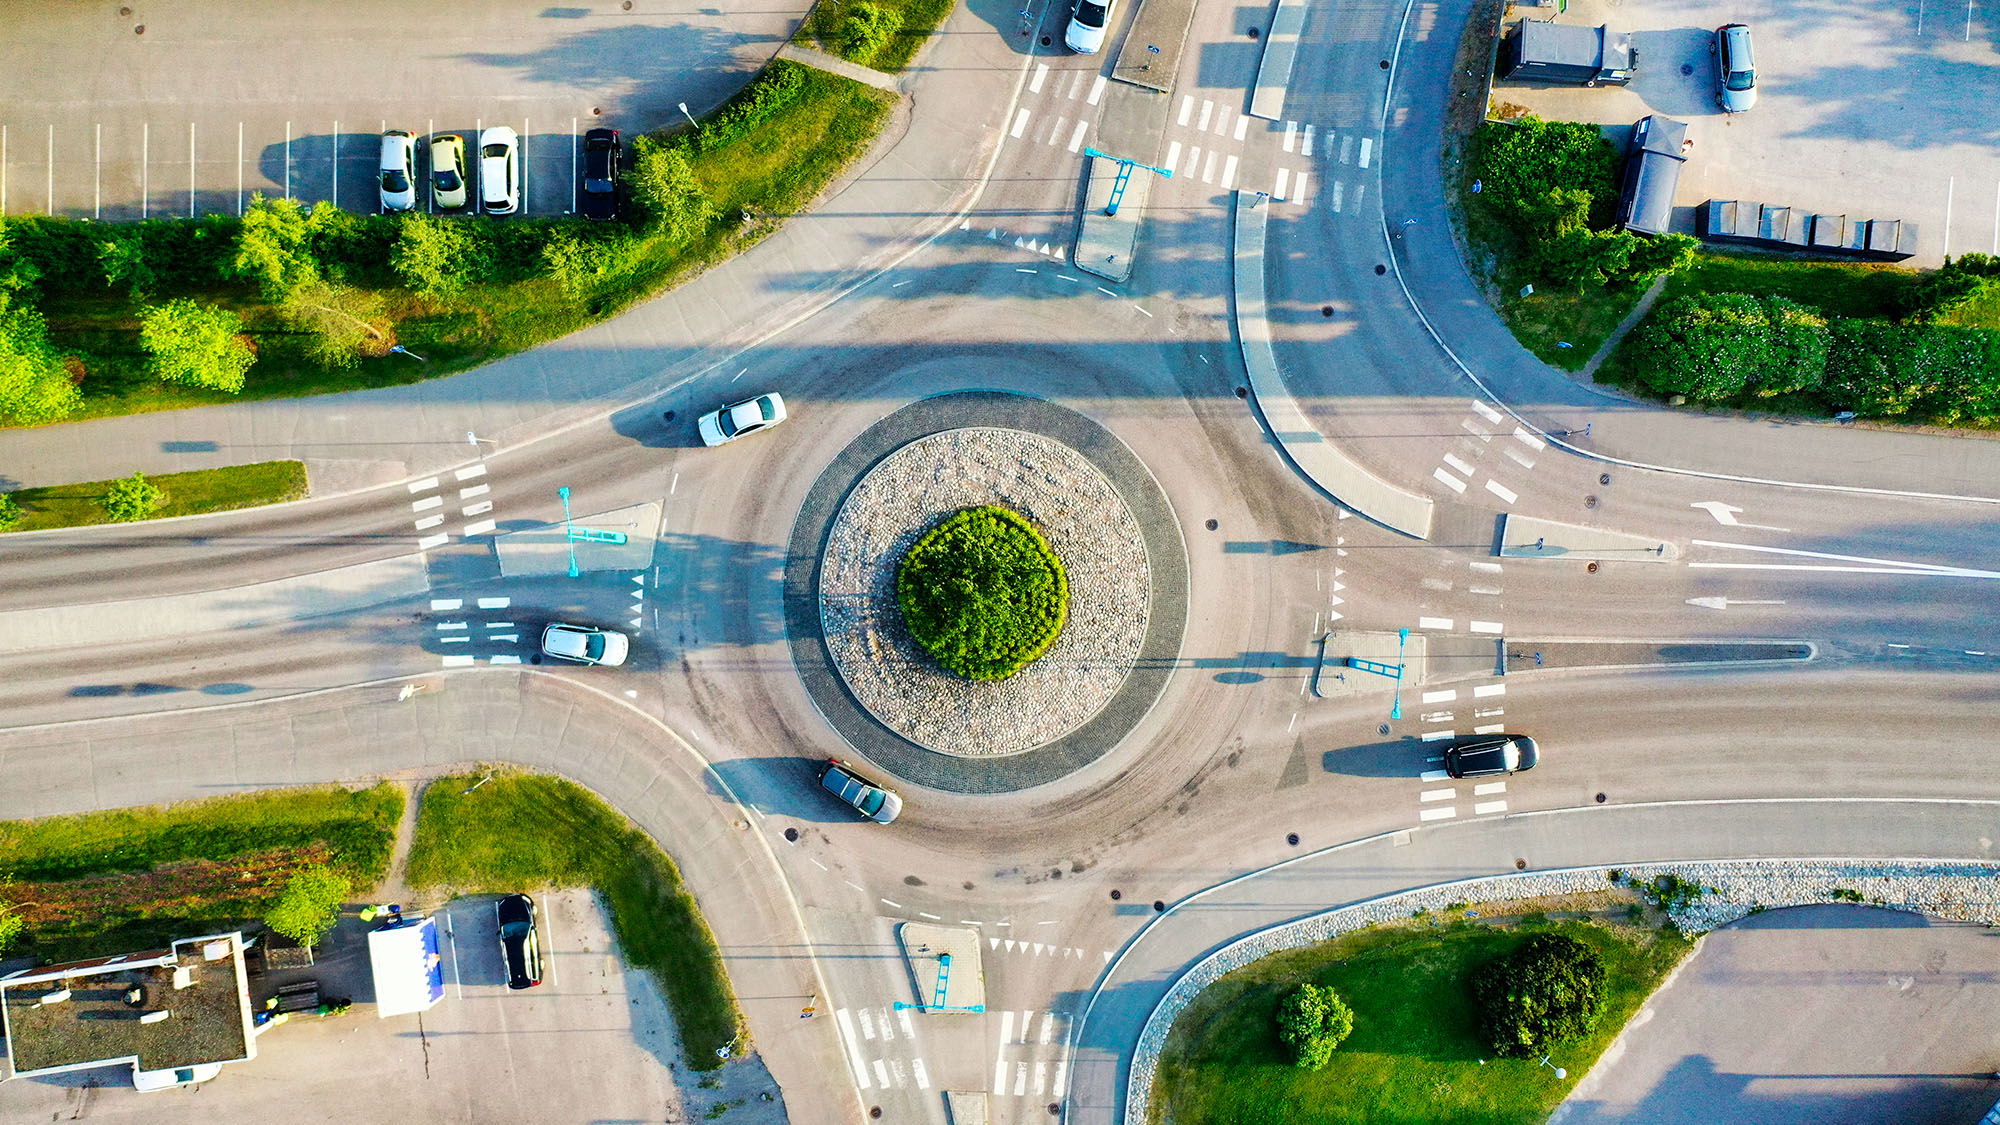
(398, 167)
(1735, 68)
(719, 427)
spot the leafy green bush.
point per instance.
(133, 498)
(310, 904)
(983, 592)
(200, 345)
(867, 29)
(665, 193)
(350, 247)
(779, 86)
(1950, 287)
(1720, 347)
(1929, 371)
(342, 323)
(1312, 1021)
(1548, 989)
(35, 386)
(10, 512)
(1518, 166)
(274, 248)
(438, 257)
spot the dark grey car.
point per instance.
(1485, 755)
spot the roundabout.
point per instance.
(1103, 516)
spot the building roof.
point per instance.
(111, 1013)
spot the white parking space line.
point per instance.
(1173, 156)
(1436, 623)
(1445, 696)
(1458, 463)
(1278, 189)
(429, 522)
(1076, 138)
(145, 169)
(1437, 814)
(1430, 795)
(1096, 89)
(1487, 691)
(1229, 172)
(1452, 482)
(1035, 83)
(504, 660)
(1207, 115)
(1502, 491)
(1485, 411)
(1489, 807)
(1486, 627)
(1020, 123)
(1367, 147)
(1291, 128)
(846, 1025)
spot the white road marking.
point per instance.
(1075, 85)
(892, 905)
(1529, 440)
(1485, 411)
(1487, 691)
(846, 1026)
(1290, 128)
(1208, 169)
(1434, 775)
(1879, 566)
(459, 661)
(1096, 89)
(495, 603)
(479, 528)
(450, 626)
(1035, 83)
(1429, 795)
(1028, 1017)
(903, 1018)
(1174, 156)
(1229, 172)
(1306, 145)
(475, 490)
(440, 604)
(1489, 788)
(1437, 814)
(454, 639)
(1519, 457)
(1055, 130)
(1041, 1077)
(1020, 123)
(1490, 728)
(1486, 627)
(999, 1076)
(932, 917)
(1436, 623)
(510, 638)
(1485, 567)
(1484, 591)
(1458, 463)
(505, 660)
(1207, 113)
(429, 541)
(1502, 491)
(1367, 146)
(427, 503)
(479, 509)
(1187, 107)
(424, 485)
(1278, 189)
(1339, 192)
(1299, 188)
(1489, 807)
(1487, 712)
(1438, 735)
(1455, 484)
(469, 472)
(1076, 138)
(923, 1076)
(1242, 126)
(867, 1023)
(881, 1074)
(1021, 1079)
(429, 522)
(1445, 696)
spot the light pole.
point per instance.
(1560, 1072)
(690, 117)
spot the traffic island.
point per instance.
(1106, 242)
(944, 964)
(1525, 537)
(620, 539)
(1352, 664)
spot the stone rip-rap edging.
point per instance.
(1731, 889)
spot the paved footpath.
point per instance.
(924, 170)
(527, 718)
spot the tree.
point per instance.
(867, 29)
(1660, 255)
(16, 271)
(134, 498)
(438, 257)
(200, 345)
(310, 904)
(1312, 1021)
(665, 191)
(35, 387)
(1548, 989)
(341, 323)
(122, 256)
(274, 248)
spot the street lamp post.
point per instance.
(1560, 1072)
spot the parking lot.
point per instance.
(193, 109)
(1872, 111)
(592, 1042)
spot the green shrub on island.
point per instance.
(983, 593)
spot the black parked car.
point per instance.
(518, 942)
(601, 152)
(1484, 755)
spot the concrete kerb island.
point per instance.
(1960, 891)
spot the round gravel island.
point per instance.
(1084, 522)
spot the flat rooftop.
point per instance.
(104, 1019)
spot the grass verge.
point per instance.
(827, 28)
(131, 879)
(522, 831)
(188, 494)
(1414, 1055)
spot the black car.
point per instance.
(601, 151)
(1484, 755)
(518, 942)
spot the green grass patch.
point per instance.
(520, 831)
(1414, 1055)
(188, 494)
(847, 28)
(983, 592)
(1564, 327)
(116, 882)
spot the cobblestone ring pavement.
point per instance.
(1166, 560)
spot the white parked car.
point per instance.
(1087, 27)
(585, 646)
(399, 170)
(448, 172)
(500, 170)
(747, 417)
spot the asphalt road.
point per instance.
(939, 268)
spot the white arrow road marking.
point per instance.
(1725, 603)
(1725, 514)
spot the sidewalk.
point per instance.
(924, 169)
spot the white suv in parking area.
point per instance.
(399, 170)
(500, 170)
(1087, 27)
